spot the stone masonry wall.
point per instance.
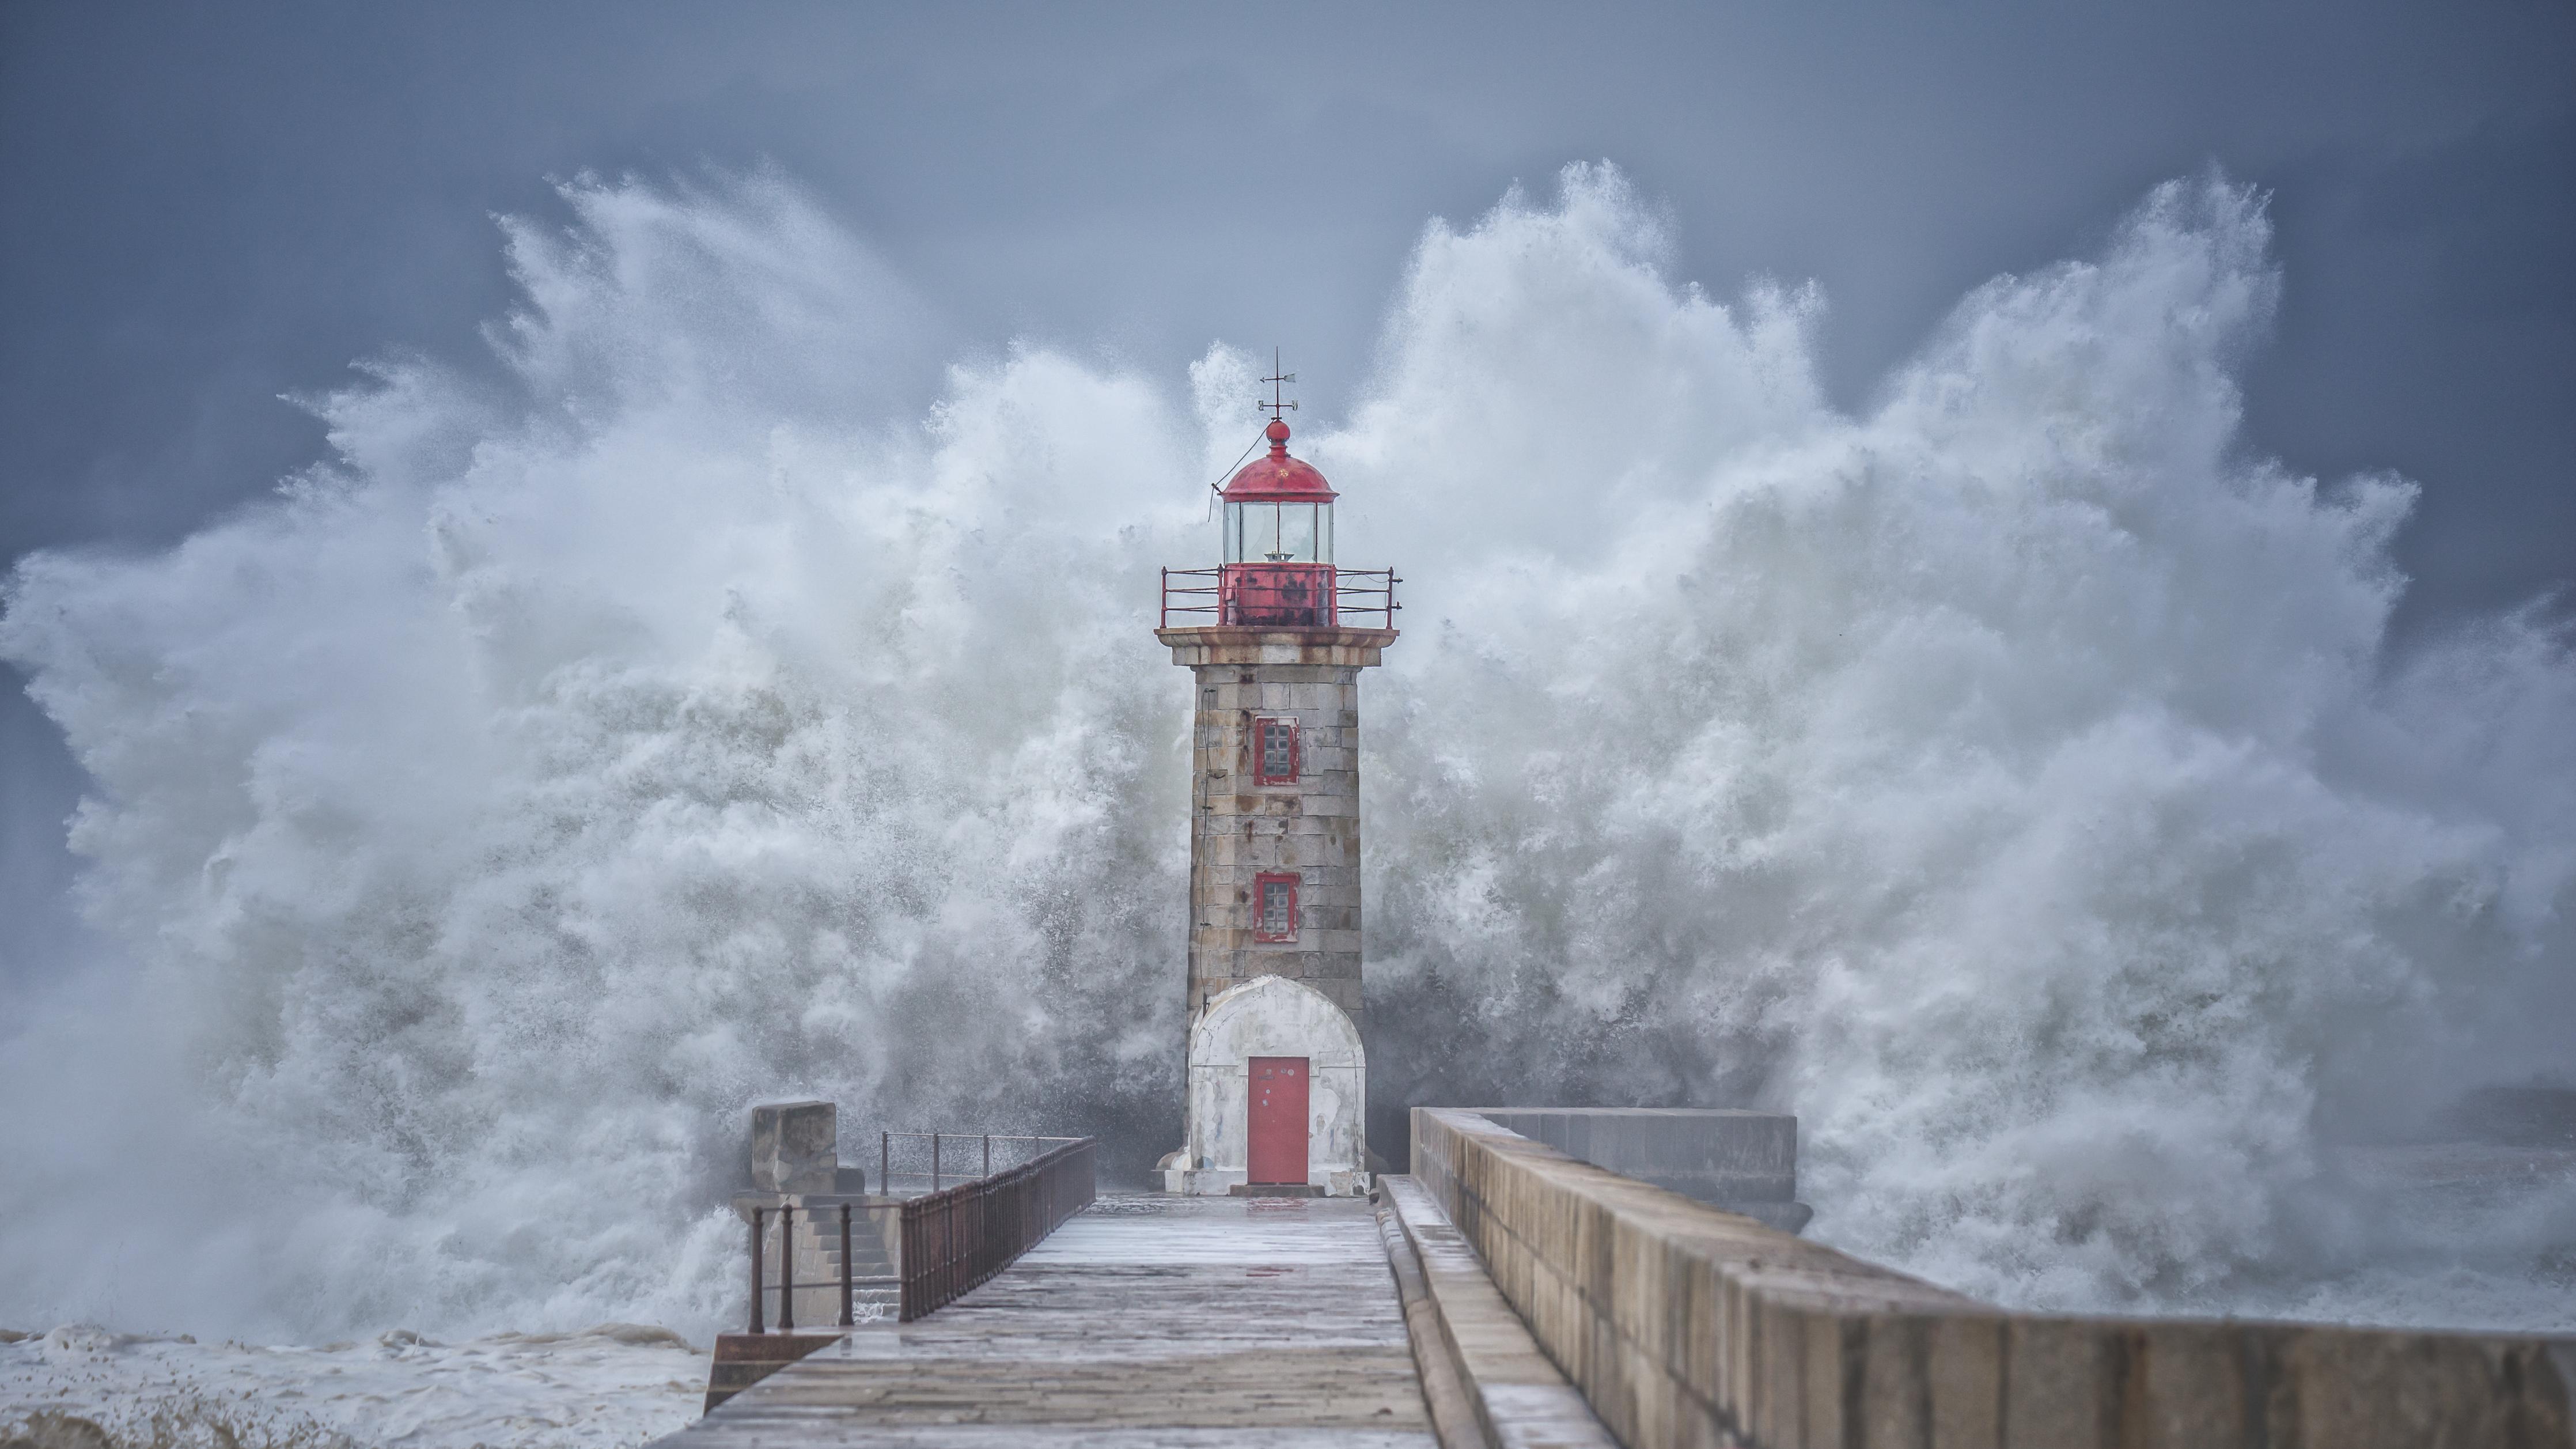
(1241, 829)
(1686, 1326)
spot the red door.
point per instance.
(1277, 1136)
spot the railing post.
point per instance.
(885, 1155)
(787, 1267)
(988, 1154)
(934, 1162)
(757, 1287)
(846, 1320)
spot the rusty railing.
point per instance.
(1192, 594)
(787, 1267)
(1358, 593)
(1203, 598)
(977, 1160)
(955, 1239)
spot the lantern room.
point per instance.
(1278, 542)
(1278, 510)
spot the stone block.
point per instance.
(1896, 1385)
(2379, 1389)
(1966, 1359)
(794, 1146)
(2058, 1384)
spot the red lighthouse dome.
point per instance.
(1278, 478)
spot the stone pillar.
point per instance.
(1308, 827)
(795, 1147)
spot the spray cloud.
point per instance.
(2009, 777)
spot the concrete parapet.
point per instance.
(1744, 1162)
(1487, 1383)
(1686, 1326)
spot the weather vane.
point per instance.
(1277, 405)
(1279, 375)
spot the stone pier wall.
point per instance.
(1686, 1326)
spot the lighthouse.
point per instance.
(1275, 637)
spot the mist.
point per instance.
(2011, 777)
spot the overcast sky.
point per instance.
(209, 205)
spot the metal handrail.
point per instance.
(886, 1173)
(1214, 587)
(950, 1239)
(787, 1268)
(958, 1238)
(1361, 585)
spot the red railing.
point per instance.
(1280, 596)
(958, 1238)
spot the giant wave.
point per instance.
(2012, 776)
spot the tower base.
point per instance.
(1280, 1024)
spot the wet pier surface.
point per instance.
(1145, 1321)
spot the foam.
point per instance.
(2009, 777)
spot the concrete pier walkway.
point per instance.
(1153, 1322)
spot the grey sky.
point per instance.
(207, 206)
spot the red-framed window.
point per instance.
(1274, 906)
(1274, 752)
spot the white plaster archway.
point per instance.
(1274, 1016)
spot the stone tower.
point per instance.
(1277, 637)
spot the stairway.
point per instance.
(875, 1294)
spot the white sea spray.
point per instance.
(2011, 777)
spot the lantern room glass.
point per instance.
(1279, 533)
